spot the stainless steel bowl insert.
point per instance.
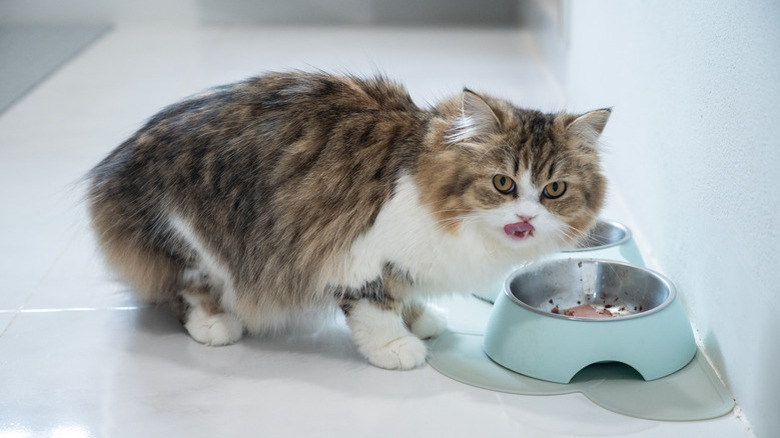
(627, 290)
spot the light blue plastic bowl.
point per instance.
(524, 336)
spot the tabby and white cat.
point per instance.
(254, 202)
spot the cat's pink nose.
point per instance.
(525, 218)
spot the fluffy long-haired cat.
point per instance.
(254, 202)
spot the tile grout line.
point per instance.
(48, 272)
(37, 285)
(7, 326)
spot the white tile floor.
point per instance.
(80, 358)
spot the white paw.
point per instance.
(219, 329)
(429, 324)
(404, 353)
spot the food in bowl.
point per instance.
(588, 311)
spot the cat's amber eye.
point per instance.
(554, 190)
(504, 184)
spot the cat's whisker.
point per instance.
(586, 238)
(573, 233)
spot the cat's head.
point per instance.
(525, 179)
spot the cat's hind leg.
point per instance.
(204, 319)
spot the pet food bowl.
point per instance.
(650, 331)
(606, 240)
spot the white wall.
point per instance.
(694, 152)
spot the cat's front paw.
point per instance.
(404, 353)
(429, 324)
(214, 330)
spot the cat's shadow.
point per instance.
(331, 339)
(319, 355)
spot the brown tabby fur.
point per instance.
(281, 173)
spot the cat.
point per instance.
(251, 203)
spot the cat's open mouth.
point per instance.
(519, 230)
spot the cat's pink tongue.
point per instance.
(519, 230)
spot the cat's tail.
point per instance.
(132, 237)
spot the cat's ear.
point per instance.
(588, 127)
(476, 118)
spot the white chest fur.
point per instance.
(408, 235)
